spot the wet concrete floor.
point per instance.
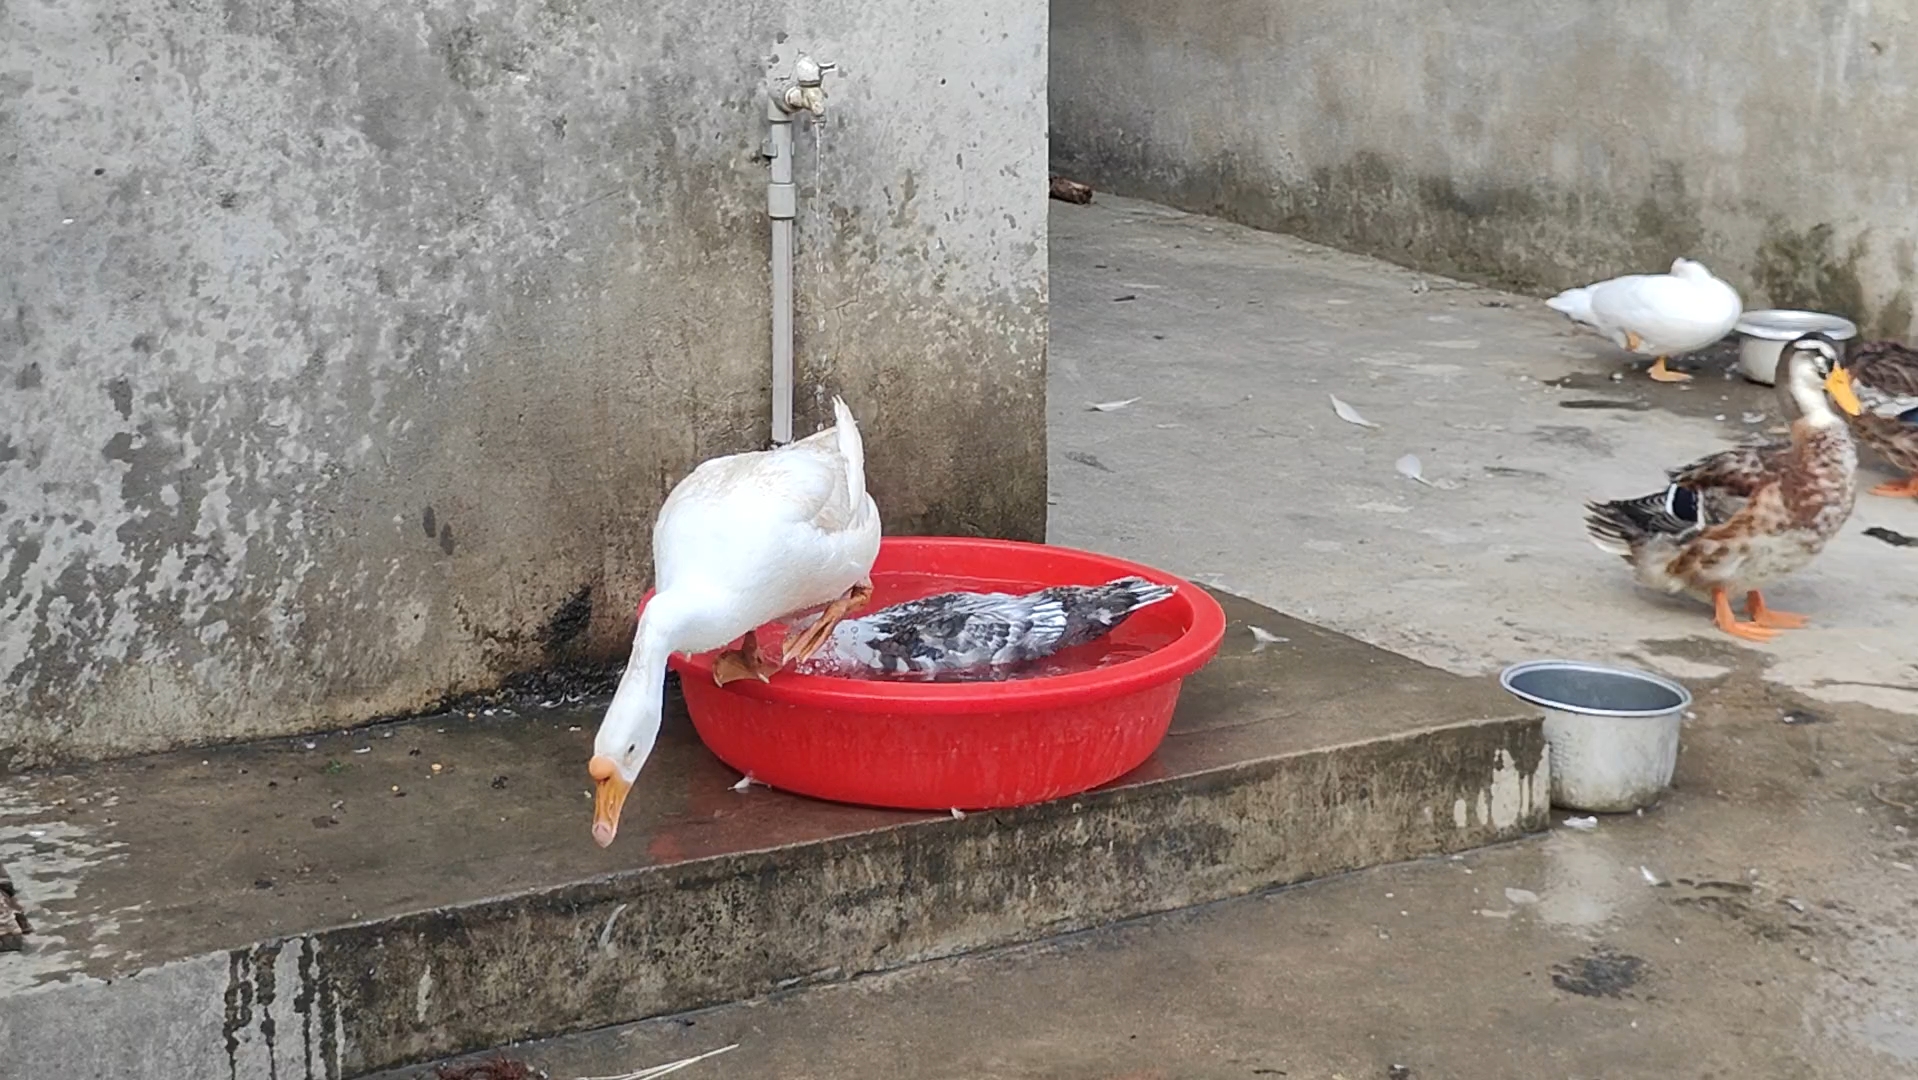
(328, 907)
(131, 863)
(1761, 921)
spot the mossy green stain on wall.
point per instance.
(1804, 269)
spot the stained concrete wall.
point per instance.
(348, 348)
(1531, 143)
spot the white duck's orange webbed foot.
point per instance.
(802, 646)
(1724, 619)
(1764, 616)
(744, 662)
(1660, 373)
(1902, 489)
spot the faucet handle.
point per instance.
(810, 72)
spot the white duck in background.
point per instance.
(1659, 315)
(960, 632)
(746, 539)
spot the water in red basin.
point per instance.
(1089, 718)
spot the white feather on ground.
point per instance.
(1348, 414)
(1261, 637)
(656, 1071)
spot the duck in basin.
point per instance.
(976, 633)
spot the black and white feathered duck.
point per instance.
(963, 632)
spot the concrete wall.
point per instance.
(348, 347)
(1532, 143)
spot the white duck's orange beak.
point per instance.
(1838, 385)
(609, 795)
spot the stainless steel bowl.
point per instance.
(1763, 334)
(1613, 732)
(1594, 689)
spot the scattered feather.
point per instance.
(363, 750)
(1521, 896)
(1582, 824)
(745, 782)
(1348, 414)
(1109, 406)
(1650, 878)
(1263, 637)
(958, 814)
(661, 1070)
(1412, 468)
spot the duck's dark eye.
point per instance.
(630, 748)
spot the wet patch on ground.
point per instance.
(1616, 381)
(1602, 973)
(1613, 404)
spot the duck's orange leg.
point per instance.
(745, 662)
(1764, 616)
(1904, 489)
(809, 640)
(1660, 373)
(1729, 623)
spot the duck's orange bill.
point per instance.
(609, 795)
(1838, 385)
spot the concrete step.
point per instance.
(332, 907)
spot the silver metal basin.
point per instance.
(1613, 732)
(1762, 336)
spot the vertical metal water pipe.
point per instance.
(804, 94)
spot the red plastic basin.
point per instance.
(965, 745)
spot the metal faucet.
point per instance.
(807, 92)
(804, 94)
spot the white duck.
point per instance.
(1658, 315)
(744, 540)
